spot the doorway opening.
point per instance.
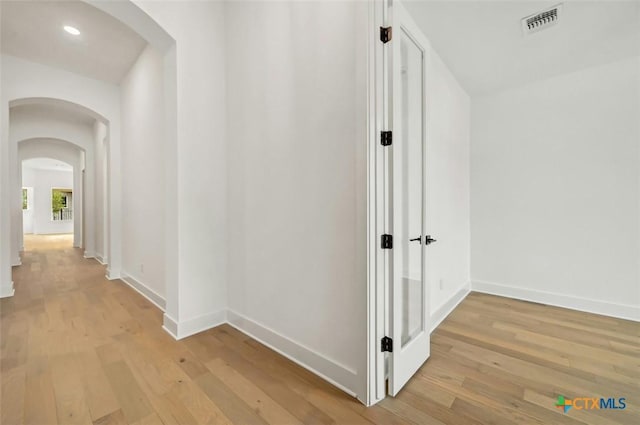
(48, 204)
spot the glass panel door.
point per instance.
(409, 290)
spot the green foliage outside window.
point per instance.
(57, 200)
(25, 204)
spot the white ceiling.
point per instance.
(105, 50)
(482, 43)
(46, 164)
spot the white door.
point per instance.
(409, 288)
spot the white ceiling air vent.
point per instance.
(541, 20)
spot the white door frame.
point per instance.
(377, 189)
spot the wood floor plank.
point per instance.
(12, 394)
(99, 394)
(253, 396)
(152, 419)
(201, 407)
(408, 412)
(15, 351)
(172, 411)
(437, 411)
(232, 406)
(131, 399)
(338, 411)
(114, 418)
(40, 402)
(71, 403)
(283, 392)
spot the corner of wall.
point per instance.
(448, 306)
(185, 328)
(7, 290)
(112, 274)
(170, 325)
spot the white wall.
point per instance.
(447, 186)
(195, 167)
(296, 107)
(555, 190)
(42, 181)
(143, 141)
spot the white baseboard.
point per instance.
(7, 290)
(329, 370)
(170, 325)
(100, 258)
(195, 325)
(89, 254)
(445, 309)
(16, 263)
(155, 298)
(112, 274)
(622, 311)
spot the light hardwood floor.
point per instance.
(77, 348)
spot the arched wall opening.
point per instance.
(47, 127)
(74, 155)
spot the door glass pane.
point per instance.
(411, 194)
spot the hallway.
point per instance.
(77, 348)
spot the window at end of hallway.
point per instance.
(61, 201)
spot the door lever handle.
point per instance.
(429, 240)
(419, 239)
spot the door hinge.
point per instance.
(385, 34)
(386, 137)
(387, 241)
(386, 344)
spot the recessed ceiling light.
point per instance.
(72, 30)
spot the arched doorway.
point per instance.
(62, 130)
(53, 169)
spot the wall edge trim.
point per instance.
(620, 311)
(141, 288)
(336, 374)
(442, 312)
